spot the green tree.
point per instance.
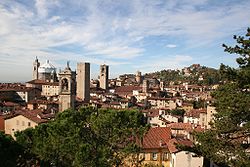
(88, 137)
(9, 151)
(226, 142)
(179, 112)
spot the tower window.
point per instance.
(64, 84)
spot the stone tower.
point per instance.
(83, 81)
(67, 89)
(138, 77)
(104, 76)
(162, 85)
(36, 65)
(145, 86)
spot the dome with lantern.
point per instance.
(46, 68)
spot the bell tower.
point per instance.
(138, 77)
(36, 65)
(67, 89)
(104, 76)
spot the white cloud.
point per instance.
(158, 63)
(171, 46)
(112, 31)
(43, 6)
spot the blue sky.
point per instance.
(128, 35)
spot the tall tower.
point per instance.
(162, 85)
(104, 76)
(83, 81)
(67, 89)
(145, 86)
(138, 77)
(36, 65)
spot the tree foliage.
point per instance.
(9, 151)
(228, 140)
(88, 137)
(179, 112)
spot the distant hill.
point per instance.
(194, 74)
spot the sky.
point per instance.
(127, 35)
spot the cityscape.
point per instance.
(125, 84)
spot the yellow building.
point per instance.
(50, 89)
(154, 147)
(22, 120)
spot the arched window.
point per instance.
(65, 84)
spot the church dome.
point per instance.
(46, 68)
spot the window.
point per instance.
(17, 122)
(29, 124)
(165, 156)
(154, 156)
(23, 123)
(141, 156)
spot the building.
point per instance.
(67, 89)
(50, 89)
(154, 146)
(145, 86)
(83, 81)
(159, 117)
(211, 110)
(21, 120)
(161, 102)
(138, 77)
(104, 76)
(45, 72)
(181, 158)
(36, 65)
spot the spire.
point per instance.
(67, 67)
(36, 60)
(67, 64)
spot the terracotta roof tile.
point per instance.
(172, 144)
(127, 89)
(195, 113)
(30, 114)
(157, 137)
(180, 126)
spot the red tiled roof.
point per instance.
(195, 113)
(172, 144)
(185, 126)
(151, 112)
(159, 98)
(157, 137)
(127, 89)
(10, 104)
(42, 82)
(32, 115)
(41, 102)
(180, 126)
